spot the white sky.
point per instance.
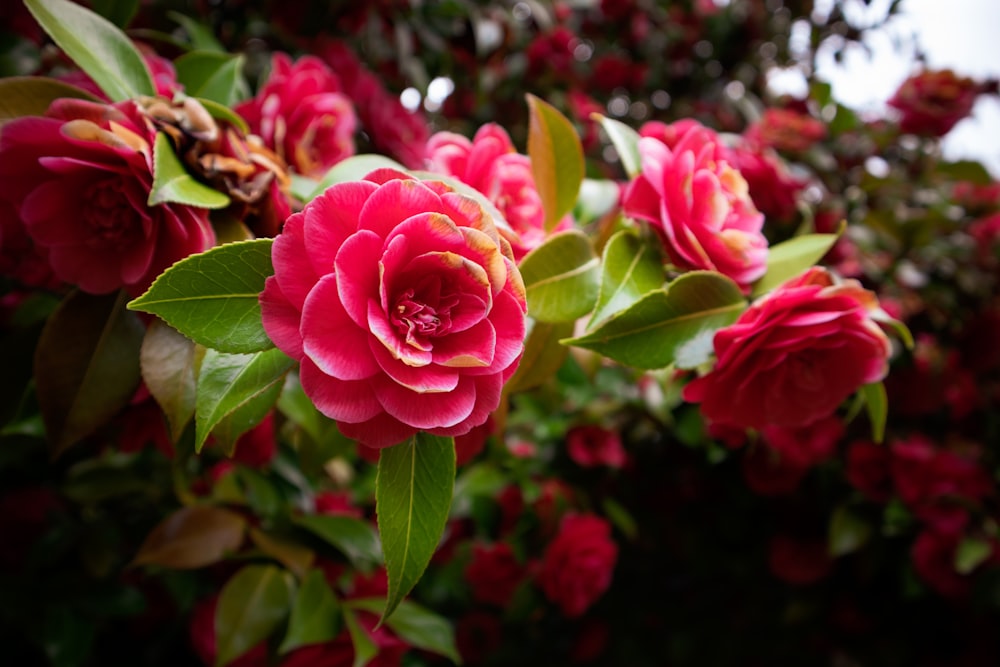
(961, 34)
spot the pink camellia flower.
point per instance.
(932, 102)
(577, 566)
(80, 178)
(794, 355)
(699, 205)
(302, 113)
(494, 573)
(590, 445)
(401, 303)
(490, 164)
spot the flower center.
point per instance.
(423, 311)
(109, 214)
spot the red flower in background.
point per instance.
(785, 130)
(577, 566)
(794, 355)
(494, 573)
(302, 113)
(591, 445)
(80, 178)
(932, 102)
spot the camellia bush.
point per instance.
(515, 333)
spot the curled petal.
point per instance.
(426, 411)
(343, 400)
(331, 339)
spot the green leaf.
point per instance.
(240, 388)
(354, 168)
(173, 184)
(561, 277)
(556, 159)
(86, 365)
(673, 325)
(364, 648)
(315, 616)
(253, 603)
(355, 538)
(416, 625)
(626, 143)
(971, 553)
(543, 355)
(630, 269)
(168, 361)
(32, 95)
(200, 36)
(119, 12)
(478, 479)
(413, 490)
(224, 113)
(790, 258)
(297, 557)
(598, 198)
(213, 76)
(848, 532)
(878, 408)
(193, 537)
(212, 297)
(97, 46)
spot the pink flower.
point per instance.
(699, 205)
(868, 470)
(302, 113)
(794, 355)
(490, 164)
(79, 178)
(591, 445)
(578, 564)
(773, 189)
(785, 130)
(806, 445)
(401, 303)
(931, 102)
(494, 573)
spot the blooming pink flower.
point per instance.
(794, 355)
(79, 178)
(494, 573)
(302, 113)
(590, 445)
(578, 564)
(931, 102)
(401, 303)
(490, 164)
(699, 205)
(773, 188)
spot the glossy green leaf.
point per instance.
(630, 268)
(561, 277)
(315, 615)
(790, 258)
(252, 605)
(173, 184)
(413, 490)
(355, 538)
(556, 159)
(119, 12)
(239, 387)
(295, 556)
(212, 297)
(200, 36)
(970, 553)
(598, 198)
(364, 647)
(673, 325)
(626, 143)
(213, 76)
(193, 537)
(848, 532)
(877, 404)
(543, 355)
(86, 365)
(417, 626)
(97, 46)
(167, 360)
(354, 168)
(32, 95)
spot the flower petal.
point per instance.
(424, 411)
(394, 202)
(281, 319)
(331, 339)
(347, 401)
(357, 267)
(380, 431)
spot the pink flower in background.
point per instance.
(932, 102)
(591, 445)
(868, 470)
(490, 164)
(79, 178)
(578, 564)
(494, 573)
(773, 188)
(794, 355)
(699, 205)
(806, 445)
(785, 130)
(302, 113)
(401, 303)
